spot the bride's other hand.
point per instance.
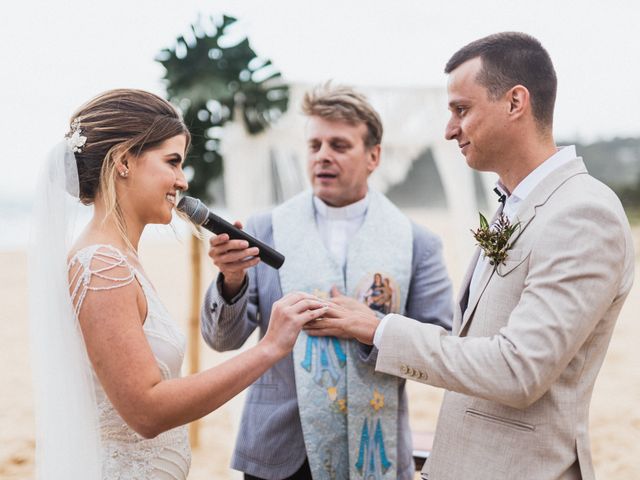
(288, 316)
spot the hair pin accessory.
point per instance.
(75, 139)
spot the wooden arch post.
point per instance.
(194, 325)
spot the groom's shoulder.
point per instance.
(585, 190)
(585, 203)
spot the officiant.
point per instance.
(323, 412)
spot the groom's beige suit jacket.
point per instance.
(525, 351)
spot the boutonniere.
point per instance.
(494, 242)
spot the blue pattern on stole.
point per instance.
(324, 359)
(348, 412)
(372, 449)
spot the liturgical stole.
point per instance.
(348, 411)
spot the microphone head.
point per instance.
(194, 209)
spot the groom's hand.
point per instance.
(346, 317)
(233, 258)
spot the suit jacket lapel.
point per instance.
(523, 219)
(525, 215)
(468, 304)
(463, 299)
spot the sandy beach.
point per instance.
(615, 410)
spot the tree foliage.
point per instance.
(213, 75)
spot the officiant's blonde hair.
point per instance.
(119, 123)
(343, 103)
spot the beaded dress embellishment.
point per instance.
(126, 455)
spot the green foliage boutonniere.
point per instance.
(494, 242)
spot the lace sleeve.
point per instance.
(96, 268)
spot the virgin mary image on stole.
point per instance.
(379, 294)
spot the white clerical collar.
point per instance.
(525, 187)
(348, 212)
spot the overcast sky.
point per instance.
(57, 54)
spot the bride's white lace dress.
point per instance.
(126, 454)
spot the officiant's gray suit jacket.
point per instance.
(526, 348)
(270, 443)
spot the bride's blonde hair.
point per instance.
(117, 123)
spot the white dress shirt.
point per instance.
(337, 225)
(512, 204)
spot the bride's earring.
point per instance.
(124, 173)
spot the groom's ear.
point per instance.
(519, 101)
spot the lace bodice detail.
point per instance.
(126, 454)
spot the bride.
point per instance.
(111, 403)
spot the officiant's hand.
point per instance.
(288, 316)
(346, 317)
(233, 258)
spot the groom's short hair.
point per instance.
(510, 59)
(345, 104)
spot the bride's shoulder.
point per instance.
(100, 252)
(99, 268)
(100, 265)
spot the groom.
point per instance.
(530, 332)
